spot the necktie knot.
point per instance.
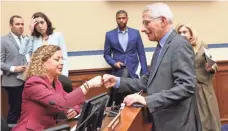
(158, 48)
(158, 45)
(19, 38)
(155, 56)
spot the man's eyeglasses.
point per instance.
(147, 22)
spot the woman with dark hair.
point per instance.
(42, 32)
(206, 98)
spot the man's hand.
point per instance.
(118, 65)
(19, 68)
(109, 80)
(71, 113)
(134, 98)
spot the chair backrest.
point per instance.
(66, 82)
(4, 125)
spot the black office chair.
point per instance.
(5, 126)
(66, 82)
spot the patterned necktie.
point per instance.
(155, 57)
(19, 38)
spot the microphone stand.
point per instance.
(114, 111)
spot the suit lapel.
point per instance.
(163, 51)
(199, 53)
(118, 42)
(13, 41)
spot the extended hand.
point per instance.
(134, 98)
(109, 80)
(95, 82)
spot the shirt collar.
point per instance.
(119, 31)
(165, 37)
(15, 37)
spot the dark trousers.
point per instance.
(116, 97)
(14, 101)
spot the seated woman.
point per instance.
(43, 95)
(206, 98)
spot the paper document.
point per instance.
(138, 71)
(21, 76)
(209, 59)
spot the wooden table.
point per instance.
(131, 120)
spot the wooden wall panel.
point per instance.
(4, 103)
(221, 89)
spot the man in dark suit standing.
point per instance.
(172, 80)
(125, 44)
(13, 65)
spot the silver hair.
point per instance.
(159, 9)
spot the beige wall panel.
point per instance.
(84, 23)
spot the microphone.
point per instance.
(52, 103)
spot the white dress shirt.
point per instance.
(12, 68)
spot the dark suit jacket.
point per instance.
(170, 87)
(134, 53)
(36, 112)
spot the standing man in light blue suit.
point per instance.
(124, 50)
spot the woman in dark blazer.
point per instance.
(43, 95)
(206, 98)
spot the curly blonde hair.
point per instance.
(41, 55)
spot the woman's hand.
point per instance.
(32, 24)
(95, 82)
(209, 68)
(71, 113)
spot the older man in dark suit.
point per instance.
(172, 79)
(13, 65)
